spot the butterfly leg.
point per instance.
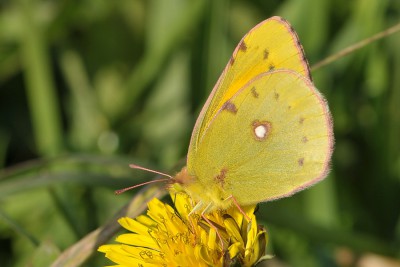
(238, 206)
(197, 207)
(213, 226)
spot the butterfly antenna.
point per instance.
(133, 166)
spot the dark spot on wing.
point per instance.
(301, 120)
(229, 106)
(276, 95)
(254, 92)
(271, 67)
(266, 54)
(242, 46)
(301, 162)
(220, 178)
(283, 20)
(304, 139)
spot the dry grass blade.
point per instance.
(356, 46)
(84, 248)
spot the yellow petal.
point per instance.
(233, 230)
(234, 249)
(137, 240)
(133, 226)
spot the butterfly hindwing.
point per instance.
(269, 140)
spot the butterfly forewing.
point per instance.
(271, 45)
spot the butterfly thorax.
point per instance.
(208, 197)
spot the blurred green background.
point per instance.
(89, 86)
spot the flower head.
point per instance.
(169, 237)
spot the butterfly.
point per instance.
(265, 131)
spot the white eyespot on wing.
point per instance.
(261, 130)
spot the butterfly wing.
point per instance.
(273, 137)
(271, 45)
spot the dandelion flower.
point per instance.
(171, 237)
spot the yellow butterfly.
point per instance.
(265, 131)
